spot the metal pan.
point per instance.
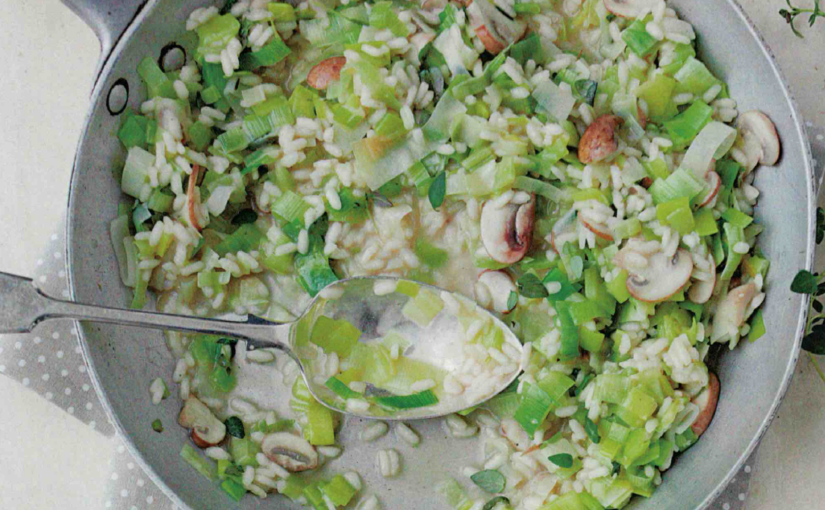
(754, 377)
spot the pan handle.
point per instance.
(108, 19)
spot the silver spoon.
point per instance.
(23, 306)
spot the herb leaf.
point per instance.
(814, 342)
(791, 14)
(562, 460)
(244, 217)
(490, 505)
(530, 286)
(438, 189)
(804, 283)
(592, 430)
(234, 427)
(512, 301)
(489, 480)
(157, 425)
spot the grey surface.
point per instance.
(753, 378)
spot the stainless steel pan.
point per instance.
(754, 377)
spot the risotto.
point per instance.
(570, 165)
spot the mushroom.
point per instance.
(507, 231)
(759, 137)
(564, 230)
(599, 139)
(206, 429)
(714, 184)
(193, 198)
(599, 229)
(500, 285)
(495, 30)
(629, 8)
(654, 277)
(289, 451)
(731, 310)
(701, 291)
(706, 400)
(515, 434)
(325, 72)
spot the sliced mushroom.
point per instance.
(628, 8)
(193, 198)
(640, 114)
(599, 139)
(564, 230)
(206, 429)
(507, 231)
(495, 30)
(500, 285)
(289, 451)
(657, 277)
(761, 142)
(730, 313)
(326, 72)
(515, 434)
(701, 291)
(707, 401)
(601, 231)
(714, 184)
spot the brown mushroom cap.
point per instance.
(707, 401)
(599, 139)
(500, 285)
(700, 292)
(206, 429)
(326, 72)
(730, 312)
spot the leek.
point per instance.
(423, 308)
(737, 218)
(338, 336)
(133, 132)
(538, 187)
(234, 489)
(705, 223)
(383, 16)
(157, 83)
(136, 171)
(331, 31)
(529, 48)
(342, 390)
(713, 142)
(733, 235)
(246, 238)
(281, 12)
(243, 451)
(694, 77)
(339, 490)
(728, 171)
(574, 501)
(758, 329)
(314, 272)
(657, 94)
(416, 400)
(202, 465)
(684, 127)
(567, 289)
(269, 55)
(677, 214)
(553, 101)
(437, 128)
(637, 39)
(454, 494)
(682, 183)
(430, 254)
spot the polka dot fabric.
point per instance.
(50, 362)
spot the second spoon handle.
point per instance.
(23, 306)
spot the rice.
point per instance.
(373, 431)
(389, 463)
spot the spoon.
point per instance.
(417, 321)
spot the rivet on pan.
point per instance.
(118, 97)
(172, 57)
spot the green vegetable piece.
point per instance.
(531, 287)
(234, 427)
(438, 190)
(339, 490)
(269, 55)
(201, 464)
(353, 209)
(563, 460)
(424, 398)
(246, 238)
(157, 83)
(678, 214)
(684, 127)
(489, 480)
(338, 336)
(496, 504)
(157, 425)
(234, 489)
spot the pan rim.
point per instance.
(98, 90)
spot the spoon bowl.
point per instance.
(373, 347)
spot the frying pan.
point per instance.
(754, 377)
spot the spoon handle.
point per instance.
(23, 306)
